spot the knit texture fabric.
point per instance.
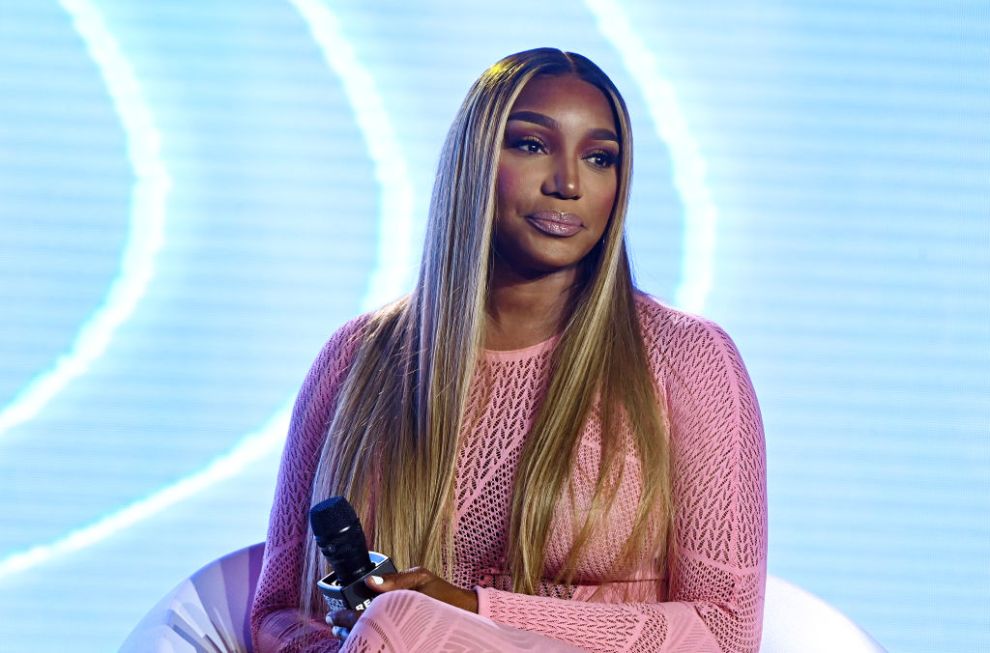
(711, 598)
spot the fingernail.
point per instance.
(377, 580)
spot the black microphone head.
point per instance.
(340, 537)
(331, 516)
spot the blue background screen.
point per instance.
(194, 196)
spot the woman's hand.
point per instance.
(425, 581)
(416, 579)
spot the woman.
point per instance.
(576, 463)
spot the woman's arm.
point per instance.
(718, 557)
(277, 622)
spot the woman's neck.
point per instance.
(524, 312)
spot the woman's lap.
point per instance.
(409, 621)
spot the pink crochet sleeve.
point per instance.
(718, 556)
(277, 624)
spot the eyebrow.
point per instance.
(548, 122)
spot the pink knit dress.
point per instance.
(710, 600)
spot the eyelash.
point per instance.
(608, 159)
(605, 159)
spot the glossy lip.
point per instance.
(556, 223)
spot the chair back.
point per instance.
(209, 612)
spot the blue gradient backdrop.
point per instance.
(193, 196)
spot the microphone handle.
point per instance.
(355, 595)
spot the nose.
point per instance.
(563, 179)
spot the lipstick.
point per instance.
(556, 223)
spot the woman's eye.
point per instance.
(529, 145)
(602, 159)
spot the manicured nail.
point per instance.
(377, 580)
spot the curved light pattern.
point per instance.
(395, 226)
(698, 251)
(394, 256)
(147, 221)
(251, 448)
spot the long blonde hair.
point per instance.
(391, 445)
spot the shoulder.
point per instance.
(337, 356)
(669, 329)
(370, 326)
(318, 394)
(690, 352)
(339, 349)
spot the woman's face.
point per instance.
(557, 177)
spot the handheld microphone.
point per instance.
(340, 537)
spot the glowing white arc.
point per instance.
(394, 258)
(147, 221)
(700, 216)
(388, 280)
(251, 448)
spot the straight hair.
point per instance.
(403, 403)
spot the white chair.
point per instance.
(796, 621)
(209, 611)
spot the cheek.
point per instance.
(604, 198)
(505, 186)
(510, 184)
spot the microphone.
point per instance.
(340, 537)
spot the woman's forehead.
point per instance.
(565, 98)
(552, 88)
